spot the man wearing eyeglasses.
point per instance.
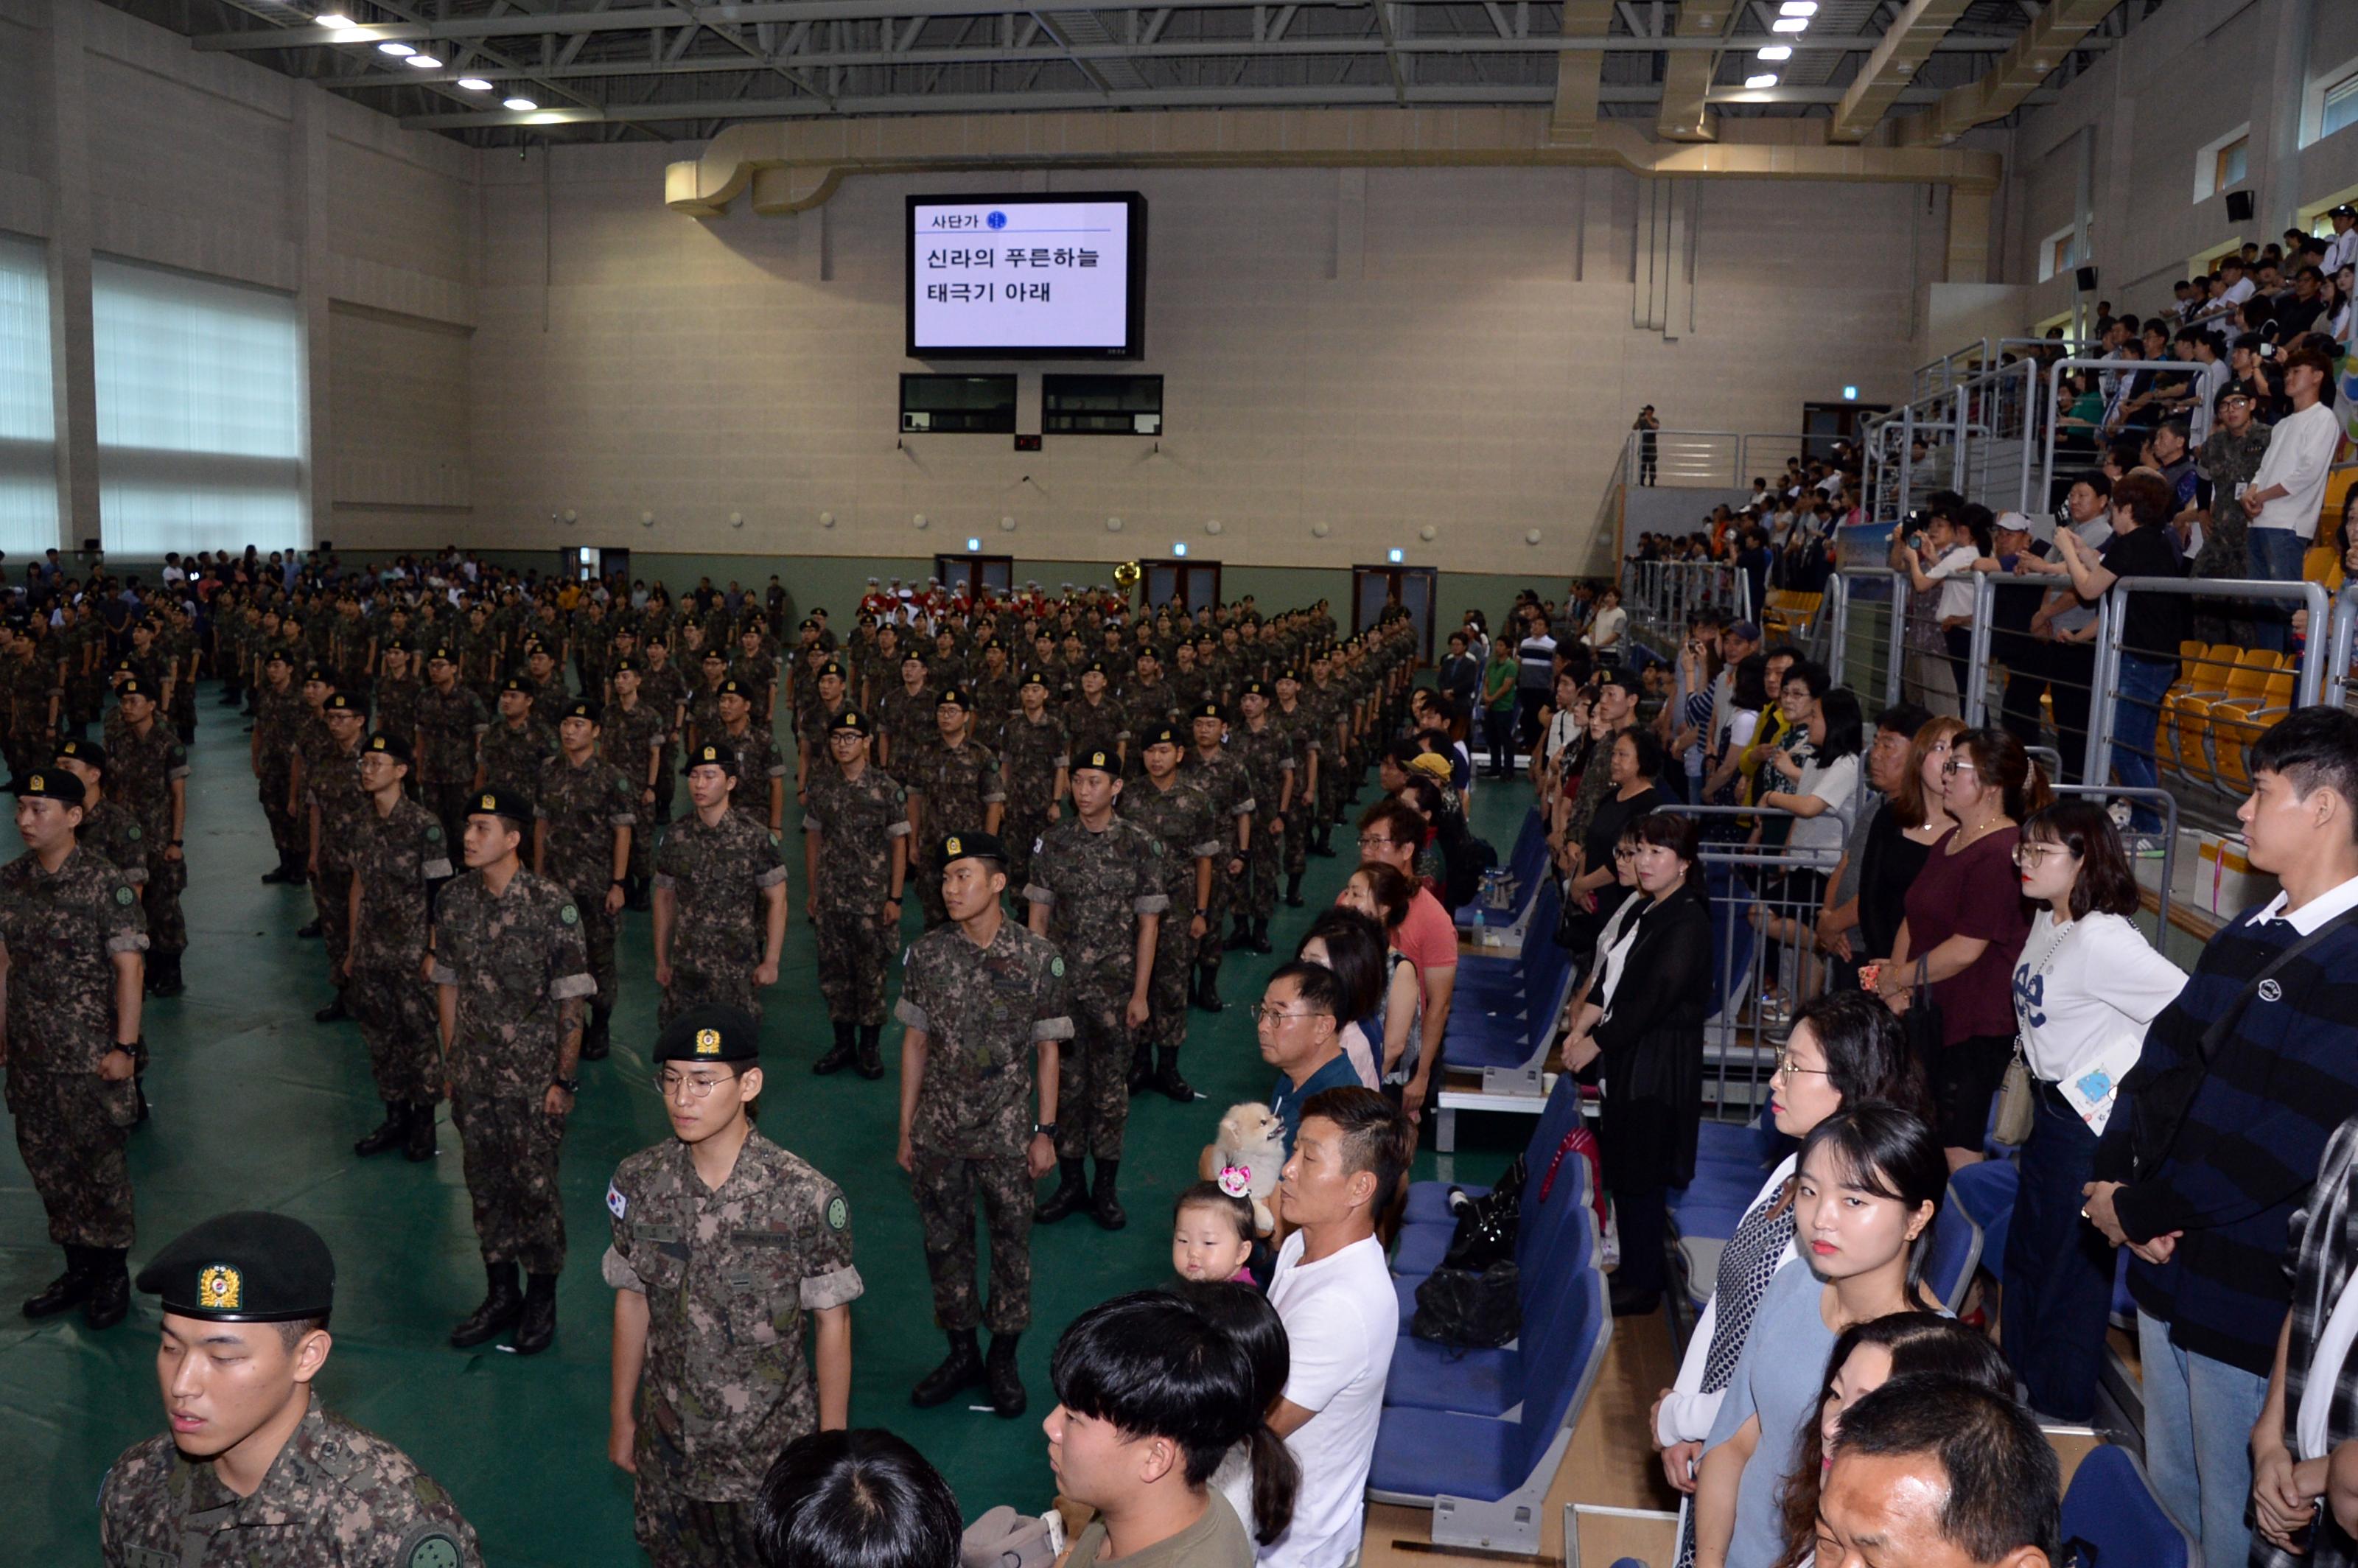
(1390, 834)
(1299, 1030)
(722, 1240)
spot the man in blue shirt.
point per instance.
(1298, 1023)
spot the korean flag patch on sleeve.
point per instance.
(616, 1203)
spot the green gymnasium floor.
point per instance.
(255, 1106)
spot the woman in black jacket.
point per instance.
(1646, 1052)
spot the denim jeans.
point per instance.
(2058, 1269)
(2199, 1415)
(2276, 555)
(2143, 683)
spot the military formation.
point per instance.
(474, 776)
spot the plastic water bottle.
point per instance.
(1481, 937)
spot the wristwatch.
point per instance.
(571, 1086)
(1045, 1129)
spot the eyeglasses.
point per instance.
(1956, 766)
(1272, 1015)
(1785, 1066)
(1375, 841)
(669, 1084)
(2026, 855)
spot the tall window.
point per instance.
(2231, 166)
(200, 413)
(28, 477)
(2341, 105)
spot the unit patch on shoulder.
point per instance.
(839, 1214)
(434, 833)
(429, 1546)
(1057, 967)
(570, 915)
(123, 896)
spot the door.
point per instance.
(972, 574)
(1194, 584)
(1412, 588)
(591, 564)
(1824, 423)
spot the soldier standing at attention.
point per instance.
(581, 842)
(1301, 725)
(856, 858)
(70, 938)
(1178, 815)
(813, 723)
(721, 898)
(451, 720)
(761, 790)
(907, 711)
(107, 830)
(334, 803)
(1094, 721)
(548, 694)
(513, 748)
(722, 1242)
(1266, 749)
(279, 716)
(1217, 774)
(982, 999)
(394, 699)
(151, 777)
(255, 1468)
(398, 855)
(634, 739)
(666, 690)
(1033, 759)
(1096, 891)
(953, 788)
(512, 972)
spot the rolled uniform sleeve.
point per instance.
(1051, 1015)
(127, 922)
(832, 1281)
(569, 958)
(916, 992)
(993, 782)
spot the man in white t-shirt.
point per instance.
(2285, 497)
(1334, 1296)
(2343, 249)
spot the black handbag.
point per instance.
(1468, 1309)
(1921, 1023)
(1483, 1237)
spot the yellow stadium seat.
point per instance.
(2235, 725)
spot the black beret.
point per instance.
(1103, 760)
(720, 653)
(393, 746)
(1206, 710)
(342, 702)
(319, 673)
(1255, 687)
(132, 688)
(711, 754)
(709, 1033)
(850, 719)
(1164, 735)
(248, 1266)
(1289, 675)
(1093, 667)
(51, 783)
(831, 668)
(500, 803)
(955, 698)
(519, 684)
(734, 689)
(630, 662)
(442, 652)
(1032, 678)
(970, 847)
(90, 753)
(582, 708)
(277, 656)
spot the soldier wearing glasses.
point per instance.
(722, 1241)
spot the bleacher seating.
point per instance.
(2110, 1516)
(1525, 869)
(1505, 1012)
(1985, 1192)
(1951, 1253)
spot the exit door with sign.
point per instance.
(1193, 583)
(1412, 588)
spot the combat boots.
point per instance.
(841, 1056)
(1207, 988)
(110, 1286)
(1260, 942)
(1241, 938)
(536, 1323)
(596, 1042)
(1142, 1068)
(68, 1291)
(1323, 845)
(868, 1059)
(1293, 891)
(1166, 1075)
(1104, 1207)
(417, 1136)
(1006, 1383)
(1071, 1197)
(392, 1130)
(499, 1312)
(963, 1370)
(334, 1013)
(164, 976)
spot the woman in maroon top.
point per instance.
(1965, 924)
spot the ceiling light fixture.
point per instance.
(1765, 79)
(518, 104)
(424, 63)
(1798, 8)
(1777, 51)
(398, 52)
(1789, 25)
(333, 20)
(474, 84)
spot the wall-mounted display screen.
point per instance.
(1027, 276)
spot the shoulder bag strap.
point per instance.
(2224, 1024)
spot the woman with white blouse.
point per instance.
(2085, 986)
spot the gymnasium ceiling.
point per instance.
(680, 71)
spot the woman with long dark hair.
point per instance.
(1352, 945)
(1645, 1049)
(2085, 986)
(1394, 1030)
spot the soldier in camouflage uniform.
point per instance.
(581, 842)
(665, 689)
(721, 898)
(1180, 817)
(150, 775)
(1299, 724)
(71, 939)
(954, 787)
(512, 972)
(760, 791)
(334, 803)
(278, 719)
(722, 1242)
(548, 693)
(1149, 701)
(855, 855)
(704, 707)
(635, 738)
(331, 1496)
(826, 688)
(906, 713)
(1032, 758)
(108, 830)
(1265, 750)
(1324, 704)
(982, 999)
(1097, 891)
(451, 720)
(516, 745)
(1221, 778)
(398, 856)
(397, 693)
(1094, 721)
(1190, 686)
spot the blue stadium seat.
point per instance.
(1986, 1192)
(1428, 1202)
(1952, 1253)
(1480, 1381)
(1526, 867)
(2111, 1517)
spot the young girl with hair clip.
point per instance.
(1871, 1179)
(1259, 1475)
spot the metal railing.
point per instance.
(2338, 646)
(2056, 405)
(1718, 459)
(1660, 595)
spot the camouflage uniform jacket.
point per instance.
(1096, 885)
(549, 702)
(1152, 704)
(717, 875)
(279, 723)
(984, 1009)
(666, 690)
(1267, 754)
(335, 785)
(397, 857)
(909, 721)
(1225, 783)
(858, 820)
(139, 774)
(513, 958)
(629, 738)
(728, 1274)
(1183, 820)
(60, 933)
(1101, 726)
(758, 763)
(955, 783)
(447, 730)
(1028, 764)
(114, 835)
(336, 1497)
(1190, 689)
(578, 809)
(397, 705)
(513, 756)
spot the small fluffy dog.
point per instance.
(1246, 1156)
